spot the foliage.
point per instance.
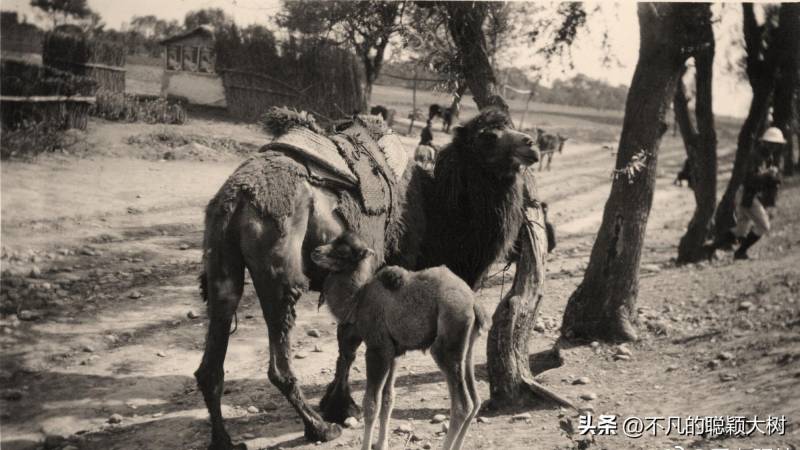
(131, 108)
(25, 79)
(570, 18)
(215, 17)
(581, 90)
(253, 48)
(366, 26)
(64, 50)
(29, 139)
(63, 9)
(19, 36)
(144, 35)
(541, 30)
(638, 163)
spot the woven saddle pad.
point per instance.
(358, 154)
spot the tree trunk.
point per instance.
(604, 304)
(703, 160)
(465, 22)
(784, 116)
(761, 71)
(455, 105)
(367, 96)
(683, 119)
(507, 347)
(785, 111)
(510, 378)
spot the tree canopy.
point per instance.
(59, 11)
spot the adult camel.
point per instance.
(270, 214)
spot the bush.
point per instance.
(67, 48)
(26, 79)
(29, 140)
(130, 108)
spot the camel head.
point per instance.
(346, 253)
(492, 142)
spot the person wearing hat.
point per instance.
(425, 154)
(758, 191)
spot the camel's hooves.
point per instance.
(323, 433)
(338, 409)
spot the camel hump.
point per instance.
(392, 277)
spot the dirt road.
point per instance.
(103, 325)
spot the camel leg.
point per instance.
(337, 404)
(387, 404)
(379, 362)
(224, 280)
(273, 255)
(280, 321)
(549, 160)
(472, 388)
(450, 353)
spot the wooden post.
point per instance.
(525, 113)
(413, 103)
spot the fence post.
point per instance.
(413, 102)
(525, 113)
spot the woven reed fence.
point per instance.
(308, 75)
(32, 94)
(101, 60)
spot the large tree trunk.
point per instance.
(604, 304)
(785, 111)
(510, 378)
(683, 119)
(465, 22)
(703, 159)
(761, 72)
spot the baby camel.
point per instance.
(396, 311)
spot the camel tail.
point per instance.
(482, 319)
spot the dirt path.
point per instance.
(119, 326)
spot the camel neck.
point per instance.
(340, 289)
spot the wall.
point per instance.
(199, 88)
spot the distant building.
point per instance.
(189, 70)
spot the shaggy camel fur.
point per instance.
(269, 215)
(397, 311)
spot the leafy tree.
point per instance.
(215, 17)
(60, 11)
(366, 26)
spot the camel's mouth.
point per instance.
(527, 155)
(321, 258)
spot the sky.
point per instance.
(731, 95)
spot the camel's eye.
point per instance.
(490, 135)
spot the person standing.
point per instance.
(425, 154)
(758, 191)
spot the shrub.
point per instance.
(29, 139)
(26, 79)
(130, 108)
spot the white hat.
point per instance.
(773, 135)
